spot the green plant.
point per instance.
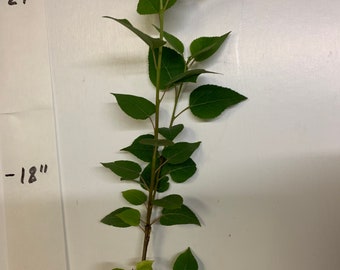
(162, 157)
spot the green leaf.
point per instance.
(146, 176)
(152, 6)
(150, 41)
(155, 142)
(209, 101)
(144, 265)
(113, 219)
(185, 261)
(173, 41)
(130, 216)
(117, 269)
(127, 170)
(172, 201)
(172, 132)
(172, 64)
(204, 47)
(134, 196)
(182, 215)
(163, 183)
(134, 106)
(188, 76)
(179, 152)
(142, 151)
(180, 172)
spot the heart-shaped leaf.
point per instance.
(140, 150)
(178, 216)
(209, 101)
(186, 261)
(204, 47)
(134, 106)
(135, 196)
(179, 152)
(180, 172)
(172, 132)
(172, 201)
(127, 170)
(113, 219)
(130, 216)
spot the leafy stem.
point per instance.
(153, 182)
(163, 157)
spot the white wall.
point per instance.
(268, 186)
(31, 223)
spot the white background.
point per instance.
(31, 223)
(268, 186)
